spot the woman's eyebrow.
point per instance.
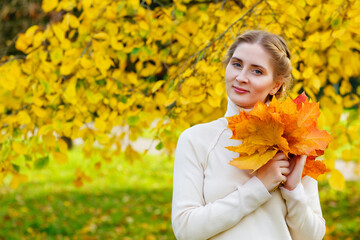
(257, 66)
(237, 59)
(253, 65)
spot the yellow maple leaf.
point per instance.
(254, 161)
(248, 148)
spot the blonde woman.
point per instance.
(214, 200)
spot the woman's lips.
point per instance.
(240, 90)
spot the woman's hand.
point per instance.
(296, 168)
(274, 171)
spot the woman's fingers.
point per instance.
(275, 172)
(280, 166)
(280, 156)
(284, 163)
(284, 171)
(296, 169)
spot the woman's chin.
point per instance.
(242, 103)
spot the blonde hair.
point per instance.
(276, 46)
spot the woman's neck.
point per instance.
(233, 109)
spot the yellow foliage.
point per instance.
(18, 179)
(107, 61)
(100, 124)
(49, 5)
(62, 145)
(39, 112)
(80, 178)
(23, 117)
(26, 39)
(336, 180)
(70, 92)
(157, 85)
(19, 148)
(56, 55)
(60, 157)
(49, 140)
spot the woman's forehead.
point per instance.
(253, 54)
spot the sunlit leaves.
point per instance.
(25, 40)
(80, 178)
(19, 148)
(41, 162)
(49, 5)
(23, 117)
(18, 179)
(123, 65)
(60, 157)
(336, 180)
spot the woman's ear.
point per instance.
(276, 88)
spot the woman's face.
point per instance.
(249, 75)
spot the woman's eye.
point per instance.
(257, 72)
(236, 64)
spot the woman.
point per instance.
(214, 200)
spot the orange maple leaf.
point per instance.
(289, 126)
(313, 168)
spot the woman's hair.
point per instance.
(278, 50)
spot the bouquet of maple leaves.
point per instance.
(289, 126)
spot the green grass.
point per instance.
(125, 201)
(341, 211)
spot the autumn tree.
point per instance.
(132, 66)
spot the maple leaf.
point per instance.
(237, 124)
(300, 99)
(308, 114)
(288, 107)
(260, 111)
(313, 168)
(306, 141)
(289, 126)
(246, 148)
(254, 161)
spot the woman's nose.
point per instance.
(241, 76)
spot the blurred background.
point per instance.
(94, 95)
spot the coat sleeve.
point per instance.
(304, 217)
(192, 218)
